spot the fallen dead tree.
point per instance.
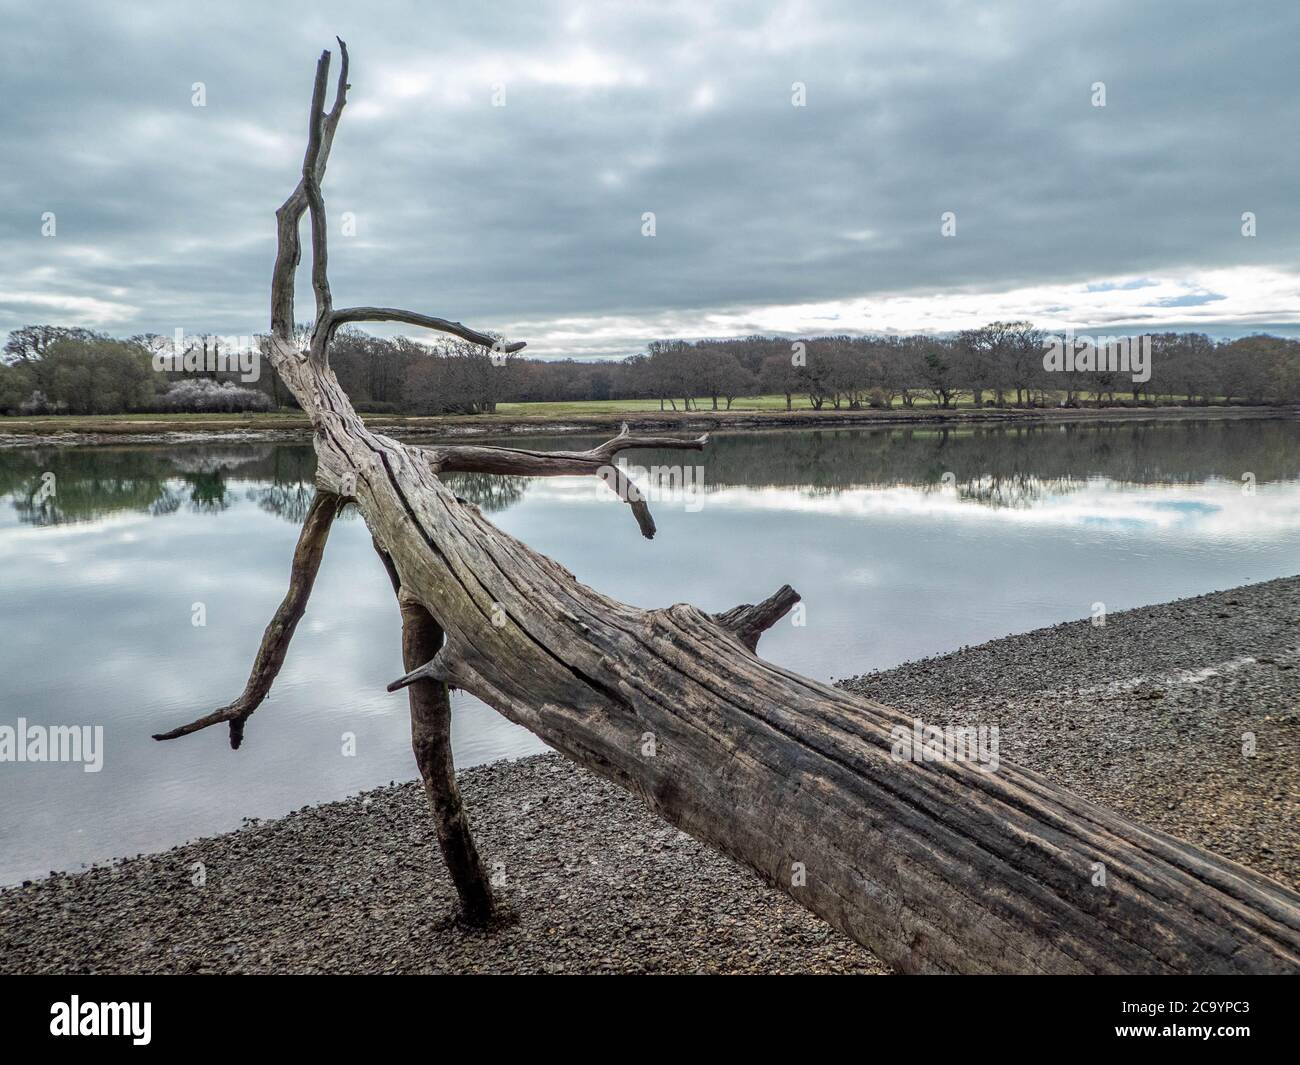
(936, 866)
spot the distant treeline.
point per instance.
(53, 369)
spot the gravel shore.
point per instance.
(594, 882)
(1145, 715)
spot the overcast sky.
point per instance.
(526, 218)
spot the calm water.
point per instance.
(895, 561)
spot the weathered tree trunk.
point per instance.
(936, 866)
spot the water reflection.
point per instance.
(895, 561)
(989, 466)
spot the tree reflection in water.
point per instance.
(987, 466)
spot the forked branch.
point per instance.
(275, 640)
(483, 458)
(320, 138)
(307, 197)
(478, 458)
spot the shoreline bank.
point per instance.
(290, 428)
(1146, 715)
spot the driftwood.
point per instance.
(936, 866)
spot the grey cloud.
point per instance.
(531, 212)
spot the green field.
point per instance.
(703, 406)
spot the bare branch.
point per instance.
(521, 462)
(478, 458)
(288, 217)
(275, 640)
(627, 439)
(320, 138)
(426, 321)
(340, 98)
(749, 621)
(625, 488)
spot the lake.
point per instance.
(903, 542)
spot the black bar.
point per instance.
(1048, 1015)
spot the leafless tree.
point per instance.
(934, 864)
